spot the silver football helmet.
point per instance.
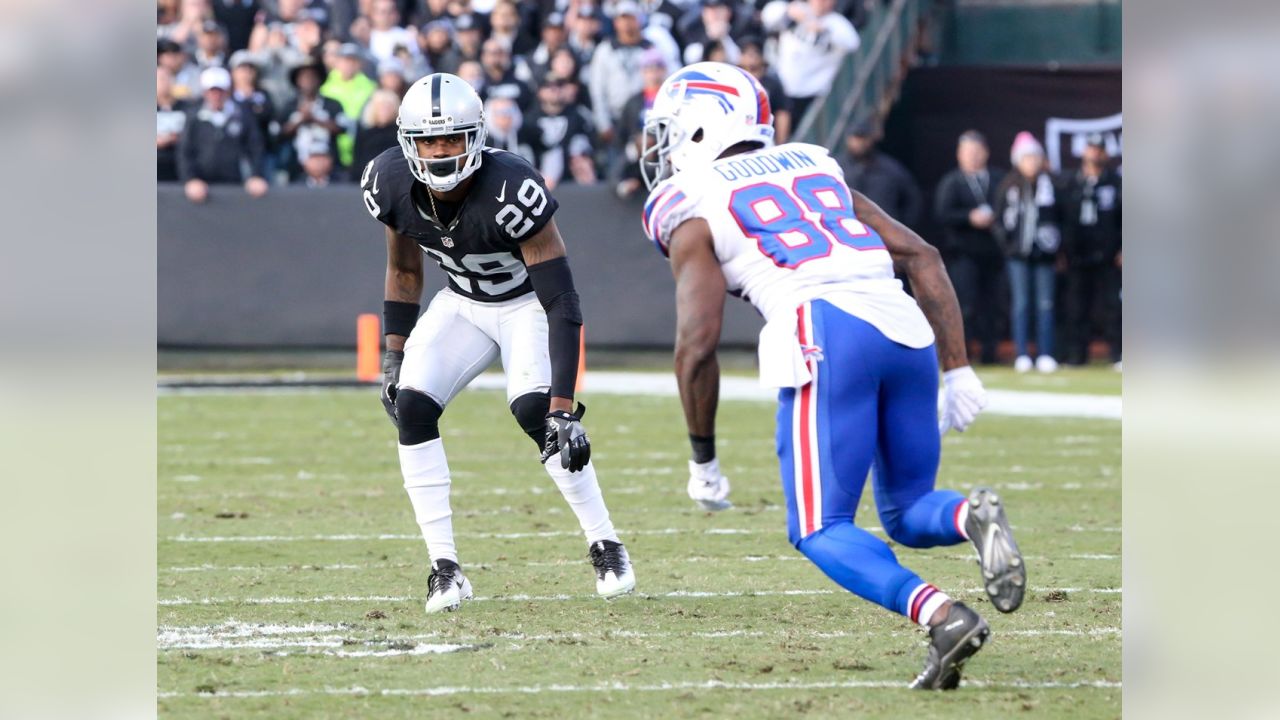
(441, 104)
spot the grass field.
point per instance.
(291, 574)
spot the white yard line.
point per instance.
(625, 687)
(343, 537)
(564, 562)
(234, 635)
(278, 600)
(999, 402)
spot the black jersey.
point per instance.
(478, 244)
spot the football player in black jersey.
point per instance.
(485, 217)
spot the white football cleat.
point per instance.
(448, 587)
(1046, 364)
(707, 487)
(1022, 364)
(614, 575)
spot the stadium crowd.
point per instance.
(305, 92)
(274, 92)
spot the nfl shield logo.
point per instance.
(446, 241)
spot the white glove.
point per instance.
(708, 487)
(963, 398)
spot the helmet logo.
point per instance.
(691, 83)
(446, 241)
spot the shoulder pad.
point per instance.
(669, 204)
(381, 181)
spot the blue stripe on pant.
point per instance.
(872, 401)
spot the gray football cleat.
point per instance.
(1004, 574)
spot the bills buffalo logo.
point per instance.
(693, 83)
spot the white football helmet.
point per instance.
(699, 112)
(442, 104)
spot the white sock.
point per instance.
(923, 602)
(582, 492)
(962, 517)
(426, 480)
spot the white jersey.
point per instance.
(785, 233)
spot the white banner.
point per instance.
(1075, 131)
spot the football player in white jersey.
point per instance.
(855, 359)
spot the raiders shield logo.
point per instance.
(446, 241)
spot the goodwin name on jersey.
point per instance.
(479, 246)
(785, 232)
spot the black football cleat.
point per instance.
(951, 643)
(614, 575)
(1004, 574)
(447, 587)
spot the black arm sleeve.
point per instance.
(553, 284)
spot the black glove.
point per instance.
(566, 436)
(390, 379)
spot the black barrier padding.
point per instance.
(293, 270)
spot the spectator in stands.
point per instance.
(246, 93)
(210, 46)
(433, 11)
(1027, 226)
(275, 57)
(585, 33)
(653, 70)
(565, 65)
(504, 26)
(311, 119)
(377, 130)
(615, 71)
(752, 60)
(238, 18)
(660, 36)
(386, 34)
(881, 178)
(813, 40)
(1091, 239)
(186, 76)
(414, 66)
(217, 141)
(438, 49)
(468, 36)
(499, 77)
(307, 35)
(554, 37)
(293, 11)
(560, 137)
(391, 76)
(712, 26)
(171, 117)
(348, 84)
(505, 121)
(190, 21)
(471, 71)
(316, 158)
(963, 207)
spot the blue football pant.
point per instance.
(872, 402)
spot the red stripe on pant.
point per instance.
(806, 458)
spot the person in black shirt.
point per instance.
(220, 140)
(1091, 240)
(500, 80)
(377, 129)
(312, 116)
(560, 136)
(881, 178)
(963, 207)
(171, 118)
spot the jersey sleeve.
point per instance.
(524, 204)
(668, 206)
(378, 200)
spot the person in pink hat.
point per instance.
(1028, 230)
